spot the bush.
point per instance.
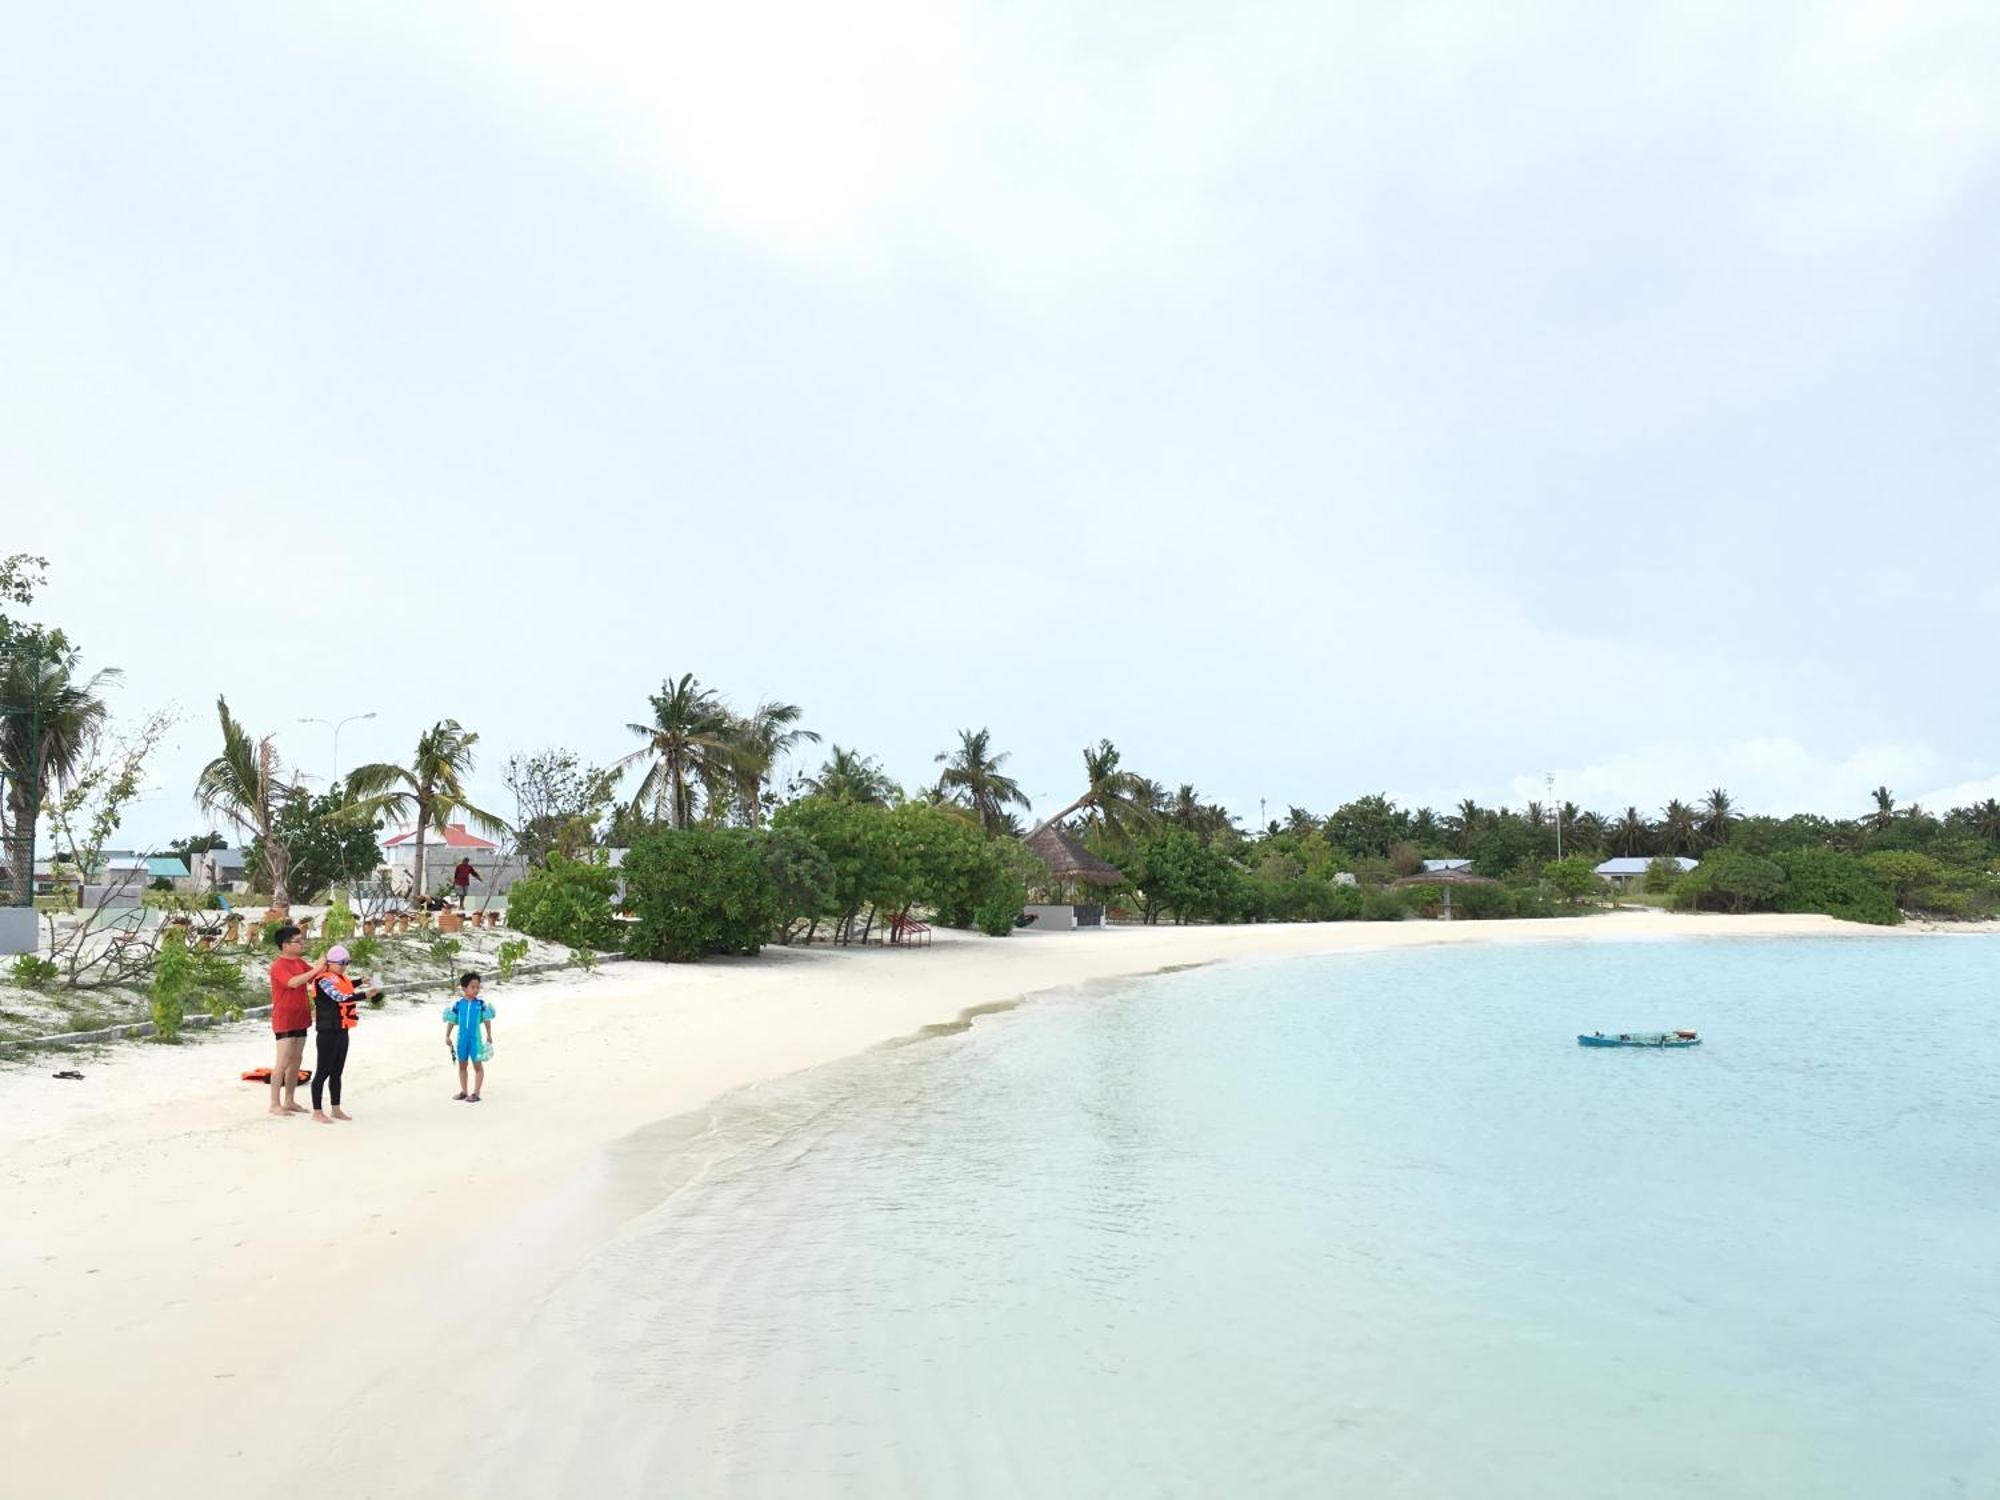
(32, 971)
(801, 877)
(1383, 903)
(568, 903)
(698, 891)
(1662, 875)
(1730, 880)
(1839, 885)
(1573, 878)
(511, 953)
(339, 923)
(182, 974)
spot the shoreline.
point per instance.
(167, 1250)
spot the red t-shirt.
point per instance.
(291, 1009)
(462, 875)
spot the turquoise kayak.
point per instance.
(1639, 1039)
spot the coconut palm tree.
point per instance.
(246, 785)
(1986, 819)
(1632, 834)
(1464, 825)
(1586, 830)
(972, 775)
(1679, 832)
(1120, 802)
(430, 790)
(50, 717)
(1717, 814)
(850, 776)
(1299, 822)
(772, 731)
(1424, 827)
(691, 740)
(1885, 808)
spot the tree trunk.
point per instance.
(417, 888)
(1082, 801)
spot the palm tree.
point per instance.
(759, 741)
(1187, 806)
(1885, 807)
(1299, 822)
(1120, 801)
(1631, 834)
(1986, 820)
(49, 720)
(430, 790)
(1586, 830)
(1717, 813)
(850, 776)
(1464, 824)
(1678, 830)
(972, 774)
(691, 739)
(245, 785)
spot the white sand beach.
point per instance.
(198, 1298)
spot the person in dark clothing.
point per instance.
(461, 879)
(335, 1003)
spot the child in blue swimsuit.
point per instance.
(472, 1018)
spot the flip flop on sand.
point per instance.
(461, 1095)
(70, 1074)
(471, 1098)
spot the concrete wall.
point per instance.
(20, 929)
(1050, 917)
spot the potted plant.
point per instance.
(449, 921)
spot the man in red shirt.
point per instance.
(462, 877)
(291, 1015)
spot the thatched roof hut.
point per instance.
(1068, 861)
(1447, 879)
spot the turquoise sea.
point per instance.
(1371, 1225)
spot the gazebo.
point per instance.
(1070, 865)
(1445, 879)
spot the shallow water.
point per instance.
(1367, 1225)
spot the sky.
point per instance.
(1313, 399)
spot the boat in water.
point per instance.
(1639, 1039)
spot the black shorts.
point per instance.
(286, 1036)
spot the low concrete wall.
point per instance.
(20, 929)
(1051, 917)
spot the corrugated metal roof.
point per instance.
(1447, 864)
(1635, 864)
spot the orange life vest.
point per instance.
(349, 1019)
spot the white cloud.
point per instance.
(1961, 794)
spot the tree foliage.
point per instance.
(568, 901)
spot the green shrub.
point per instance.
(1573, 878)
(1662, 875)
(32, 971)
(339, 922)
(1381, 903)
(511, 953)
(695, 892)
(1821, 880)
(569, 903)
(182, 975)
(1483, 903)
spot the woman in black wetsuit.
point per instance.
(334, 1001)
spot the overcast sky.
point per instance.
(1314, 399)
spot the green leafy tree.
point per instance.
(1367, 826)
(697, 892)
(324, 844)
(558, 803)
(802, 878)
(1732, 881)
(1572, 878)
(1905, 873)
(1679, 831)
(1838, 884)
(973, 778)
(430, 790)
(1885, 808)
(1187, 879)
(245, 785)
(51, 717)
(1718, 815)
(1663, 873)
(568, 901)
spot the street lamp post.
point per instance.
(1556, 808)
(336, 727)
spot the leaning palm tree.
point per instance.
(1120, 801)
(972, 776)
(691, 740)
(430, 790)
(50, 717)
(758, 742)
(850, 776)
(245, 785)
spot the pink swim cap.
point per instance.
(336, 954)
